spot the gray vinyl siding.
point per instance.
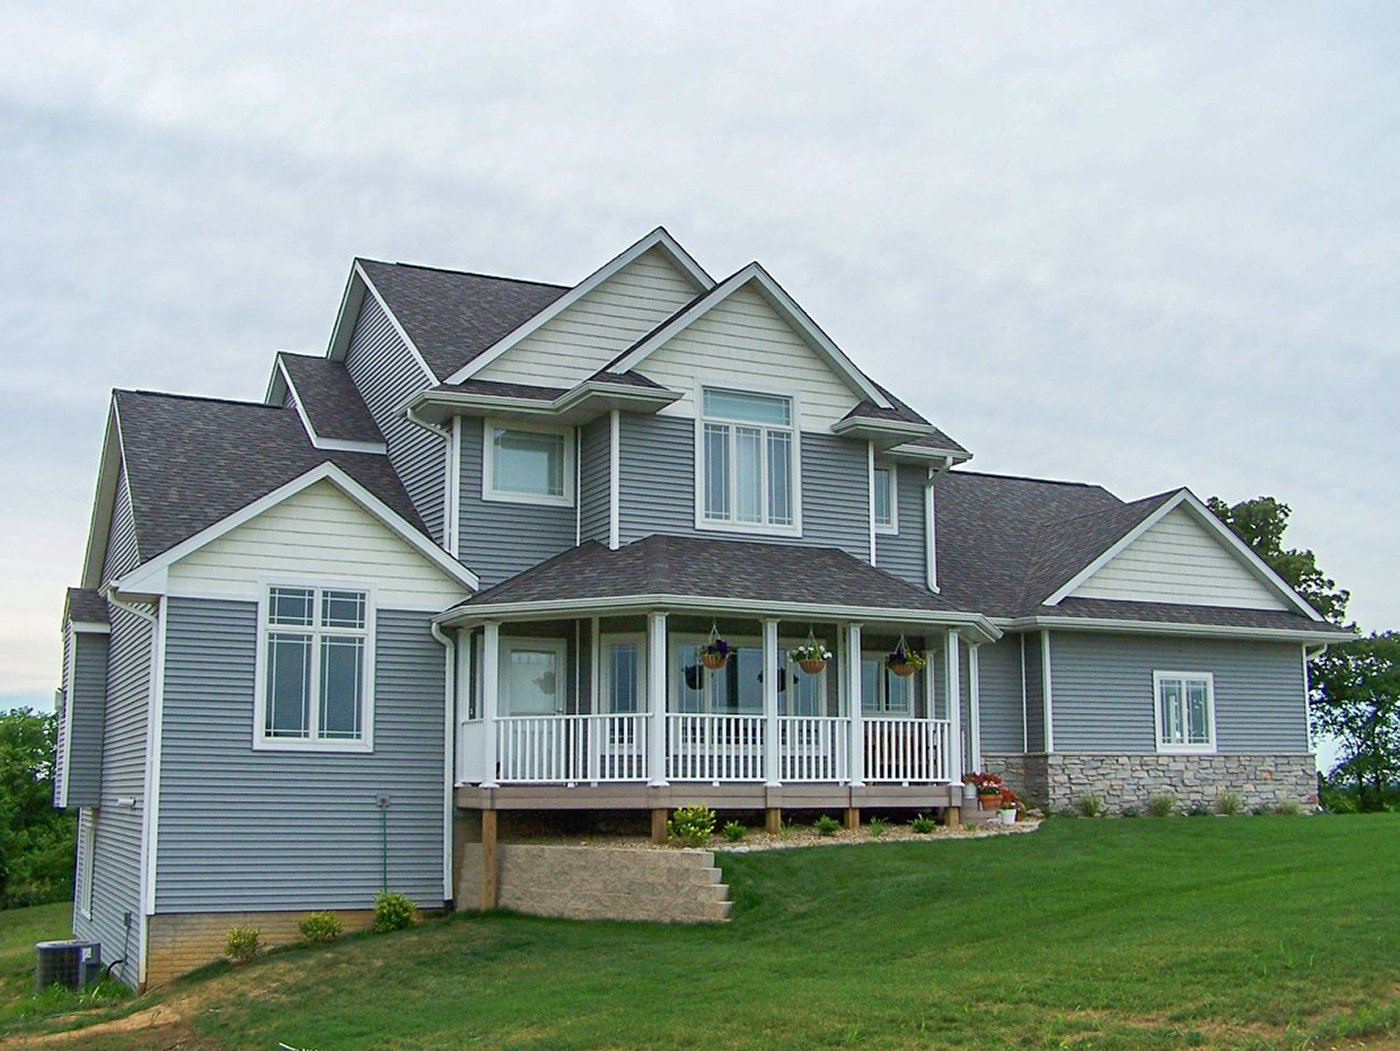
(595, 459)
(263, 830)
(61, 701)
(1035, 696)
(88, 698)
(999, 695)
(387, 375)
(904, 553)
(116, 883)
(1103, 692)
(657, 487)
(122, 552)
(501, 539)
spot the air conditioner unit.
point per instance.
(68, 963)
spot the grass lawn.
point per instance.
(20, 929)
(1248, 931)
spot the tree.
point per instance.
(36, 841)
(1260, 523)
(1356, 698)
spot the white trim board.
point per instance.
(1151, 627)
(786, 307)
(150, 578)
(658, 238)
(1186, 499)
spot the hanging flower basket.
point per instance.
(903, 661)
(714, 655)
(811, 656)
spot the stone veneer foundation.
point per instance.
(1056, 781)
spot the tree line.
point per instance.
(38, 844)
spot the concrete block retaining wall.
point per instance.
(1057, 781)
(600, 883)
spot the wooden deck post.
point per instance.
(772, 819)
(658, 825)
(489, 870)
(952, 817)
(853, 818)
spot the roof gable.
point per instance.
(659, 240)
(1181, 553)
(748, 285)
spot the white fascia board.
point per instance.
(150, 578)
(110, 466)
(658, 238)
(89, 627)
(787, 307)
(277, 382)
(1152, 627)
(574, 400)
(345, 317)
(459, 616)
(926, 454)
(399, 330)
(330, 444)
(1223, 533)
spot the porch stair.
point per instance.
(591, 882)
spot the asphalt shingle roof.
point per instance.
(1175, 613)
(86, 605)
(329, 398)
(453, 316)
(719, 569)
(192, 462)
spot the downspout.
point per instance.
(151, 788)
(449, 723)
(930, 523)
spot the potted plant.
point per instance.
(1009, 806)
(811, 656)
(989, 790)
(715, 653)
(903, 661)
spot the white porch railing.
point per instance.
(714, 747)
(571, 748)
(900, 750)
(813, 748)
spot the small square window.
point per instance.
(527, 464)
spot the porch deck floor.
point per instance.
(614, 796)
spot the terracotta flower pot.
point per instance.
(901, 669)
(989, 801)
(714, 661)
(812, 665)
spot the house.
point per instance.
(466, 563)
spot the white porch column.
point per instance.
(953, 689)
(851, 672)
(490, 694)
(974, 706)
(771, 771)
(656, 697)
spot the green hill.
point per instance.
(1248, 931)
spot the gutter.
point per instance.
(1150, 627)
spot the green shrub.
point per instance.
(1130, 811)
(1229, 803)
(1162, 806)
(1198, 810)
(393, 912)
(1289, 808)
(878, 827)
(243, 943)
(691, 826)
(786, 829)
(734, 831)
(923, 824)
(321, 927)
(826, 825)
(1091, 805)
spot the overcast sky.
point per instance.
(1142, 245)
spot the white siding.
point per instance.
(317, 532)
(743, 343)
(1178, 560)
(588, 335)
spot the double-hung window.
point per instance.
(315, 685)
(523, 463)
(882, 692)
(886, 508)
(748, 460)
(1185, 710)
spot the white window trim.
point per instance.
(490, 493)
(886, 712)
(1165, 748)
(508, 645)
(261, 740)
(757, 528)
(891, 528)
(605, 674)
(89, 816)
(752, 642)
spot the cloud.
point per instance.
(1137, 245)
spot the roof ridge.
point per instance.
(1031, 478)
(196, 397)
(1122, 505)
(465, 273)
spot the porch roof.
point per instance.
(694, 572)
